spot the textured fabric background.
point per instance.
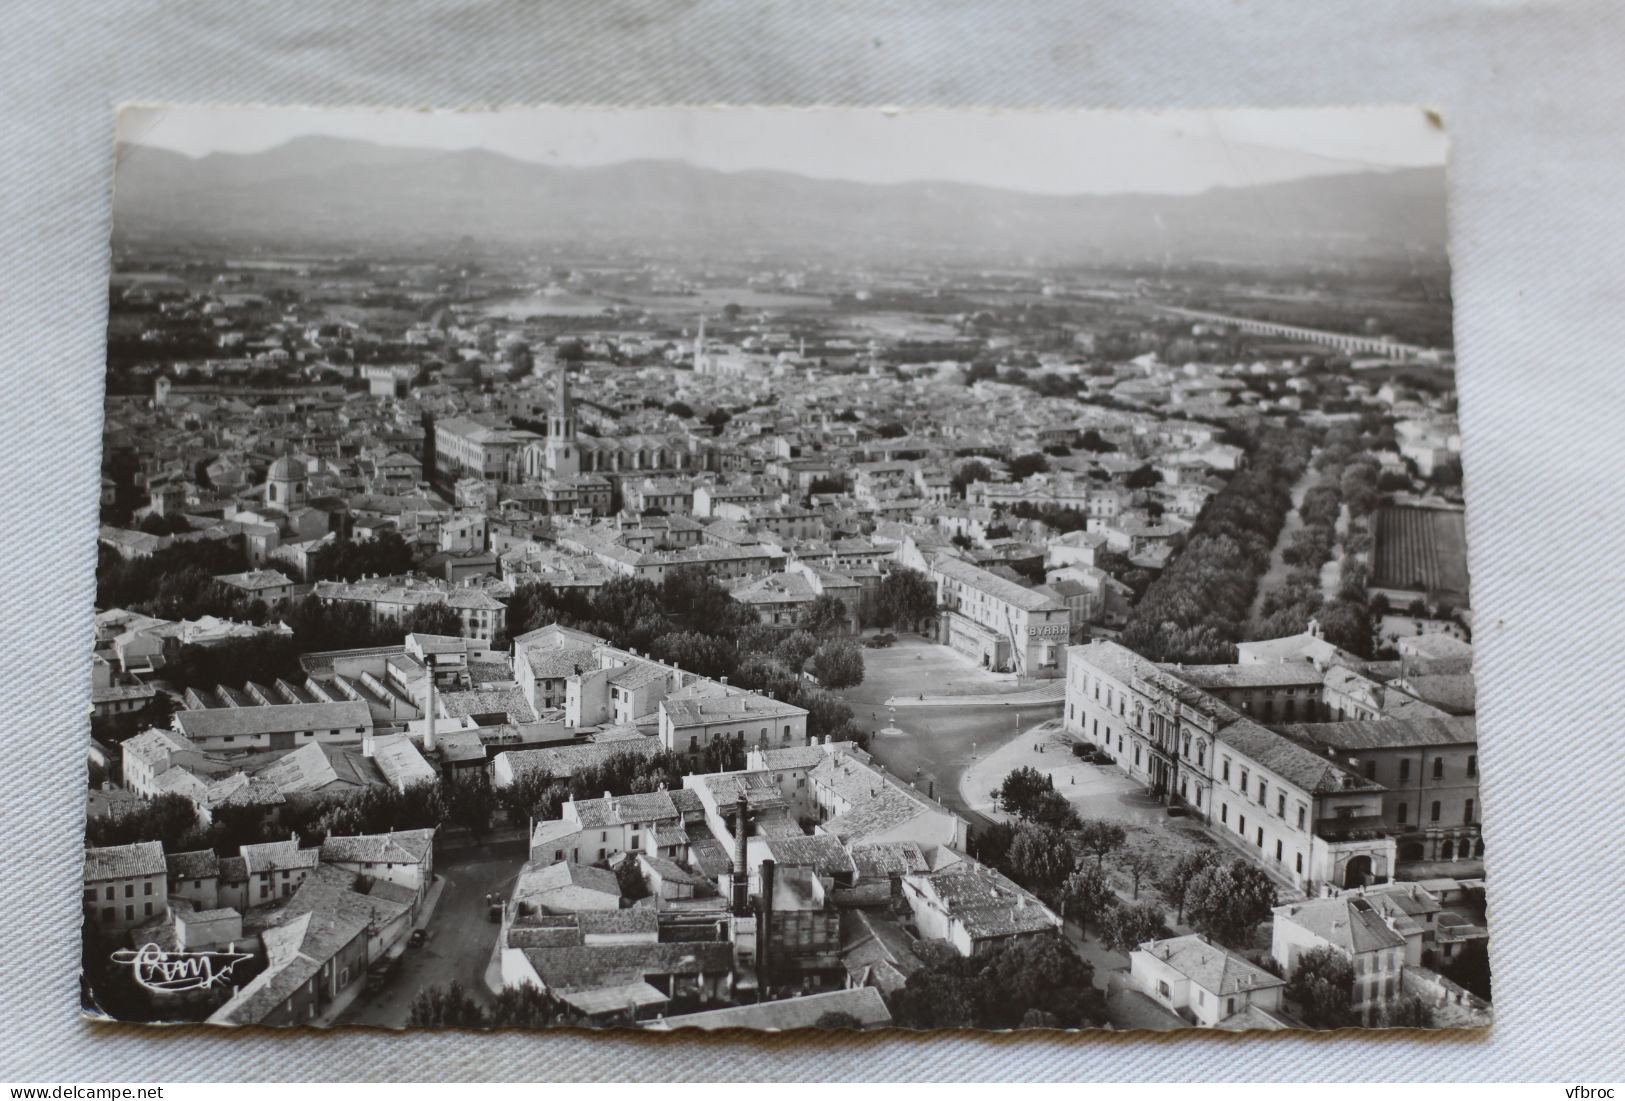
(1533, 96)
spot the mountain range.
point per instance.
(334, 191)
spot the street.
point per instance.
(1275, 576)
(461, 936)
(938, 742)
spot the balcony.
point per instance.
(1365, 827)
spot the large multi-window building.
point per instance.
(707, 711)
(997, 623)
(1428, 768)
(1319, 804)
(467, 448)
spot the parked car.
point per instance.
(493, 907)
(880, 641)
(418, 937)
(1084, 751)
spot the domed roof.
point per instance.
(285, 470)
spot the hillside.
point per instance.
(328, 190)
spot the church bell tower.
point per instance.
(563, 456)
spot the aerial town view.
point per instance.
(782, 570)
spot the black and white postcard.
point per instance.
(783, 569)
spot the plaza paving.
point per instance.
(933, 742)
(1095, 791)
(914, 666)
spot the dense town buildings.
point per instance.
(1265, 753)
(615, 547)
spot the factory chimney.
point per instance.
(741, 875)
(764, 929)
(428, 737)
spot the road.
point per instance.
(461, 936)
(1331, 574)
(938, 741)
(938, 744)
(1275, 576)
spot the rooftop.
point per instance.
(995, 586)
(1215, 969)
(536, 880)
(1248, 675)
(655, 806)
(276, 855)
(396, 847)
(123, 861)
(220, 722)
(1347, 922)
(986, 903)
(567, 969)
(565, 761)
(710, 702)
(1386, 733)
(1298, 765)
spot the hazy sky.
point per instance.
(1056, 152)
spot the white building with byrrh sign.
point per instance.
(997, 623)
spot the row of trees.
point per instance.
(1348, 618)
(1039, 983)
(467, 802)
(174, 582)
(178, 583)
(381, 555)
(316, 625)
(1195, 610)
(538, 795)
(1322, 989)
(173, 819)
(1348, 479)
(523, 1006)
(1063, 860)
(690, 620)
